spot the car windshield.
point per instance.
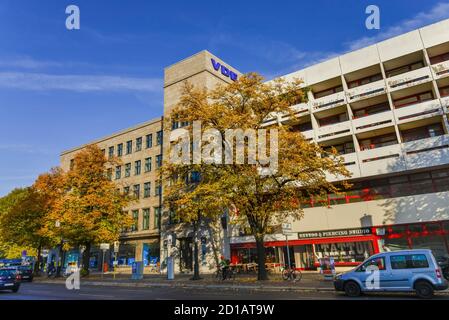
(5, 273)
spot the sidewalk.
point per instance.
(309, 282)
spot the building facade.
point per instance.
(383, 107)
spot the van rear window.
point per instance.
(410, 261)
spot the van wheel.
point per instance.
(15, 289)
(352, 289)
(424, 290)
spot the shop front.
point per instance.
(348, 247)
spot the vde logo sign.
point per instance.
(224, 71)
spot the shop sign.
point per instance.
(335, 233)
(224, 70)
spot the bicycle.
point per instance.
(291, 274)
(229, 274)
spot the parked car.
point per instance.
(398, 271)
(9, 280)
(26, 272)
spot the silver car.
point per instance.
(395, 271)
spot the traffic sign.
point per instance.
(104, 246)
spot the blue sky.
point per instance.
(61, 88)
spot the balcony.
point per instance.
(374, 121)
(366, 91)
(351, 163)
(308, 134)
(418, 111)
(381, 160)
(334, 131)
(420, 153)
(328, 102)
(409, 79)
(301, 109)
(440, 70)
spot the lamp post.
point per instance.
(61, 252)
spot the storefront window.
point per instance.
(345, 251)
(396, 244)
(434, 243)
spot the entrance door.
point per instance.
(186, 254)
(304, 257)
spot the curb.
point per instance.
(202, 286)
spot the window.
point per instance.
(139, 144)
(157, 215)
(129, 147)
(398, 262)
(327, 92)
(146, 219)
(333, 119)
(377, 142)
(103, 151)
(444, 92)
(109, 174)
(127, 170)
(118, 172)
(367, 111)
(149, 140)
(404, 69)
(172, 219)
(126, 190)
(72, 164)
(135, 215)
(148, 164)
(137, 167)
(159, 138)
(411, 261)
(120, 149)
(378, 262)
(429, 131)
(158, 188)
(365, 80)
(440, 58)
(411, 100)
(343, 148)
(146, 189)
(158, 161)
(111, 152)
(136, 190)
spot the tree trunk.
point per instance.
(196, 267)
(86, 260)
(37, 265)
(262, 271)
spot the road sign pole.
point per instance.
(288, 251)
(102, 265)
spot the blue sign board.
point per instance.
(224, 70)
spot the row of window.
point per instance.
(384, 188)
(145, 219)
(377, 75)
(136, 190)
(138, 145)
(137, 167)
(428, 131)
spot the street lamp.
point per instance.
(61, 252)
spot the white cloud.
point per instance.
(78, 83)
(439, 12)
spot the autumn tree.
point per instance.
(91, 208)
(12, 245)
(262, 191)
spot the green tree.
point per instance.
(260, 201)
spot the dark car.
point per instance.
(26, 273)
(9, 280)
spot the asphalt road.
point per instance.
(41, 291)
